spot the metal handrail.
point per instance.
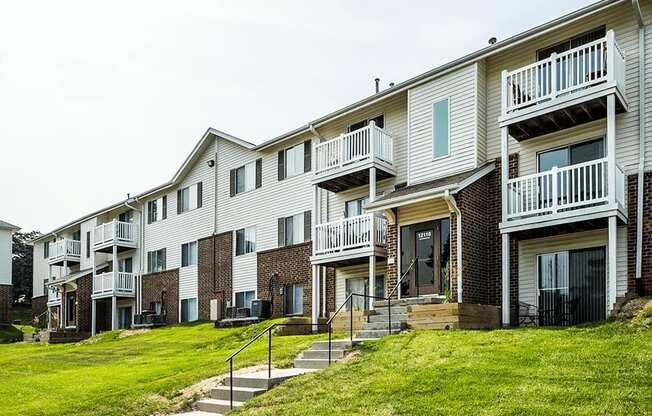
(412, 264)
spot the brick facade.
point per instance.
(84, 303)
(291, 265)
(153, 286)
(644, 286)
(214, 271)
(392, 252)
(6, 292)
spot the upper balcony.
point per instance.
(563, 90)
(564, 195)
(64, 252)
(54, 296)
(350, 240)
(113, 284)
(116, 233)
(343, 163)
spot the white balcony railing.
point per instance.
(113, 283)
(354, 147)
(53, 295)
(65, 249)
(350, 233)
(564, 73)
(563, 189)
(114, 232)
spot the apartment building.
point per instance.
(513, 177)
(6, 297)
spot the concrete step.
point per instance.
(198, 413)
(216, 406)
(323, 354)
(259, 379)
(396, 325)
(396, 317)
(421, 300)
(312, 363)
(374, 333)
(395, 310)
(339, 344)
(240, 394)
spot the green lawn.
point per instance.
(14, 333)
(136, 375)
(593, 370)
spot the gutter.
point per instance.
(641, 150)
(452, 205)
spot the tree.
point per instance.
(22, 263)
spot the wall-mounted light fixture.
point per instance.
(210, 163)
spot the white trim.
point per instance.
(446, 98)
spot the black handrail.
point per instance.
(267, 331)
(412, 264)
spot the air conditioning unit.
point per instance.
(261, 308)
(243, 313)
(216, 310)
(230, 312)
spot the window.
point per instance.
(157, 307)
(124, 317)
(76, 235)
(294, 299)
(294, 160)
(189, 198)
(127, 216)
(88, 244)
(189, 254)
(126, 265)
(571, 155)
(360, 285)
(45, 286)
(294, 229)
(156, 260)
(574, 42)
(354, 207)
(188, 310)
(440, 128)
(46, 249)
(157, 210)
(247, 178)
(378, 120)
(243, 299)
(245, 240)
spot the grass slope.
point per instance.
(136, 375)
(14, 333)
(593, 370)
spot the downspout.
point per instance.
(641, 151)
(139, 300)
(452, 205)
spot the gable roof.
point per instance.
(6, 226)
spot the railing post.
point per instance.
(342, 150)
(269, 354)
(554, 75)
(555, 191)
(611, 53)
(505, 98)
(330, 332)
(231, 384)
(389, 310)
(351, 317)
(372, 137)
(342, 234)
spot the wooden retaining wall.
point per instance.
(453, 316)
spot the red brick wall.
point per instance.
(215, 271)
(292, 265)
(153, 286)
(645, 284)
(84, 303)
(39, 305)
(5, 303)
(392, 252)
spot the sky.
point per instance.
(101, 99)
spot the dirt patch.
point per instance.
(130, 332)
(632, 308)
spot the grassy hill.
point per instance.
(592, 370)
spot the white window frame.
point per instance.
(247, 232)
(303, 306)
(190, 245)
(249, 178)
(196, 316)
(297, 229)
(235, 295)
(298, 154)
(432, 128)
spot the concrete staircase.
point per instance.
(249, 385)
(377, 324)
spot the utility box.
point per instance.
(216, 310)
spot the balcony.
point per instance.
(564, 90)
(113, 284)
(64, 252)
(350, 240)
(54, 296)
(343, 163)
(564, 195)
(116, 233)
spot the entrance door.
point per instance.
(71, 309)
(429, 244)
(124, 317)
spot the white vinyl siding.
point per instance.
(5, 257)
(458, 89)
(529, 249)
(618, 18)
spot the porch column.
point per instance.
(611, 148)
(611, 263)
(504, 170)
(62, 308)
(324, 308)
(315, 297)
(114, 313)
(505, 303)
(49, 318)
(93, 318)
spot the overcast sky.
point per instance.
(98, 99)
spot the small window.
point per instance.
(354, 207)
(245, 241)
(189, 310)
(189, 254)
(440, 128)
(294, 160)
(88, 244)
(157, 209)
(294, 299)
(46, 249)
(243, 299)
(156, 260)
(126, 265)
(189, 198)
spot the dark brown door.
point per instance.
(71, 309)
(421, 242)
